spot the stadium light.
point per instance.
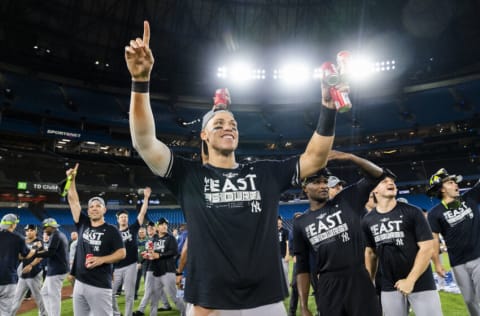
(295, 73)
(240, 73)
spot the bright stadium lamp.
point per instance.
(294, 74)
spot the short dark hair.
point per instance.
(122, 212)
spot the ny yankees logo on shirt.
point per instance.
(126, 235)
(159, 245)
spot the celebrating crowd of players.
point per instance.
(237, 249)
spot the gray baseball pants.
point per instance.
(467, 276)
(35, 286)
(128, 275)
(91, 300)
(52, 294)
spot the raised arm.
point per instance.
(143, 210)
(139, 59)
(367, 166)
(73, 199)
(316, 153)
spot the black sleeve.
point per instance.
(356, 195)
(301, 249)
(369, 242)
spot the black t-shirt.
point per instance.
(233, 253)
(166, 246)
(99, 241)
(129, 237)
(333, 234)
(12, 246)
(56, 254)
(459, 226)
(282, 239)
(37, 268)
(394, 236)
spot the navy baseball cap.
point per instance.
(30, 226)
(325, 173)
(162, 220)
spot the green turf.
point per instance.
(452, 304)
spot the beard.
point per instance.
(320, 198)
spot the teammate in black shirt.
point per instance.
(331, 232)
(31, 277)
(457, 219)
(230, 208)
(99, 246)
(399, 236)
(126, 270)
(164, 252)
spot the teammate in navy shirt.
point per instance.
(99, 246)
(230, 208)
(399, 239)
(13, 247)
(56, 252)
(457, 219)
(31, 278)
(330, 231)
(126, 270)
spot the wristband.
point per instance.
(326, 121)
(178, 273)
(141, 86)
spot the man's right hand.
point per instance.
(147, 192)
(138, 56)
(72, 171)
(440, 270)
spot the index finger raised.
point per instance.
(146, 33)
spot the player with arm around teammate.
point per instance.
(330, 231)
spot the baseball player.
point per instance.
(457, 219)
(330, 231)
(231, 208)
(399, 239)
(31, 277)
(56, 252)
(164, 253)
(99, 246)
(126, 270)
(13, 248)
